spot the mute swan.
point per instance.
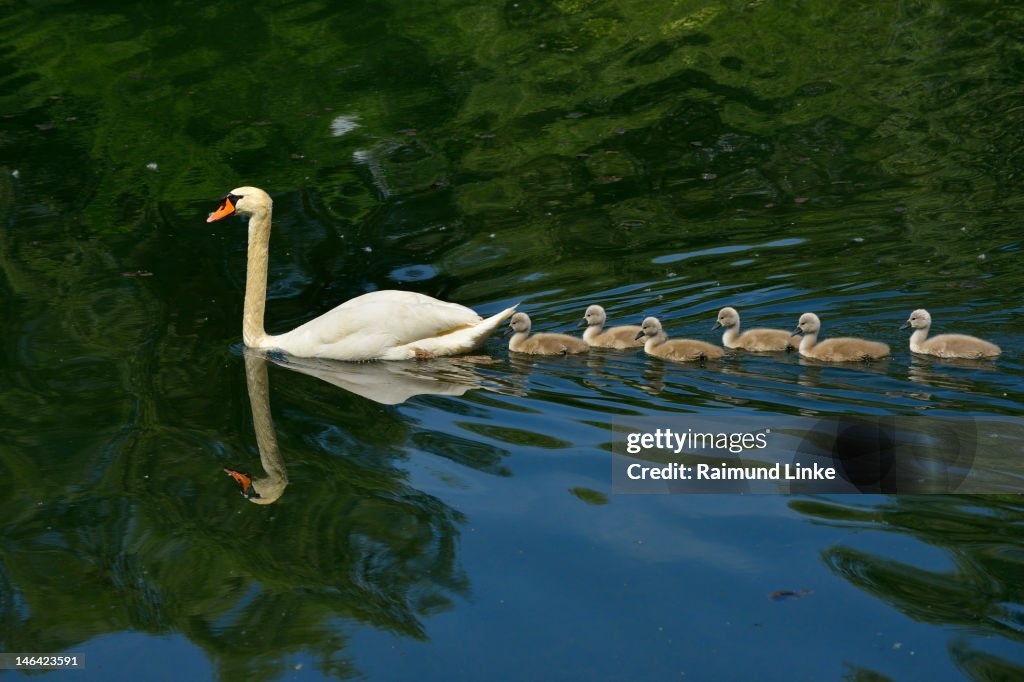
(680, 350)
(616, 337)
(844, 349)
(752, 339)
(381, 325)
(946, 345)
(541, 344)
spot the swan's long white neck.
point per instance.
(253, 333)
(918, 337)
(592, 331)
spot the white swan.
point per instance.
(541, 344)
(946, 345)
(381, 325)
(616, 337)
(680, 350)
(758, 340)
(842, 349)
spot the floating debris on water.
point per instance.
(589, 495)
(786, 595)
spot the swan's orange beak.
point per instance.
(226, 208)
(244, 481)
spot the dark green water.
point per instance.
(859, 160)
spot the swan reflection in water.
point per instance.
(388, 383)
(391, 382)
(926, 369)
(267, 488)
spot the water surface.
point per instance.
(855, 161)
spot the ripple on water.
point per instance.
(413, 273)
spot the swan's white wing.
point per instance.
(420, 312)
(365, 327)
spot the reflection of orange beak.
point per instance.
(244, 481)
(226, 209)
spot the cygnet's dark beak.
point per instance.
(583, 323)
(798, 330)
(639, 335)
(905, 324)
(508, 332)
(717, 325)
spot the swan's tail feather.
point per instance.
(495, 321)
(459, 341)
